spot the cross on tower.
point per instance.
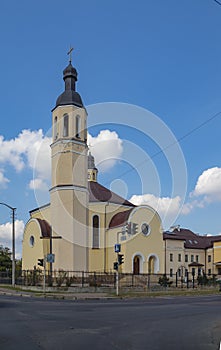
(70, 54)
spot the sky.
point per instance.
(149, 75)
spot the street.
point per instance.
(152, 323)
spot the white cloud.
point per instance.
(6, 236)
(106, 147)
(209, 185)
(38, 184)
(30, 149)
(163, 205)
(3, 180)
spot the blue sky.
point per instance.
(161, 56)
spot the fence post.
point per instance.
(148, 281)
(82, 279)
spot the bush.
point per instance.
(164, 281)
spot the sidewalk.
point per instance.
(54, 295)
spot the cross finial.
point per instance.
(70, 53)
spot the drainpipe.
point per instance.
(105, 238)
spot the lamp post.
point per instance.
(13, 241)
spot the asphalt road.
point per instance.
(173, 323)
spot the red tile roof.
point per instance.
(45, 227)
(99, 193)
(120, 219)
(191, 239)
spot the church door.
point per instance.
(136, 267)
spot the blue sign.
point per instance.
(50, 258)
(117, 248)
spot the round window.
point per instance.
(145, 228)
(32, 241)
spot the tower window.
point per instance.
(78, 126)
(95, 242)
(65, 125)
(55, 128)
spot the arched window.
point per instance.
(65, 125)
(55, 128)
(95, 238)
(78, 126)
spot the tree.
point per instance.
(5, 258)
(164, 281)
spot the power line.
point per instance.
(218, 2)
(173, 143)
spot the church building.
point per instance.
(85, 223)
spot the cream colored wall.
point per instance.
(217, 251)
(72, 112)
(98, 257)
(176, 247)
(69, 193)
(42, 213)
(139, 244)
(217, 256)
(31, 254)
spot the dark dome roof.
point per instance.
(70, 70)
(69, 97)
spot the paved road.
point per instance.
(158, 323)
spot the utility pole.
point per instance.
(13, 247)
(13, 241)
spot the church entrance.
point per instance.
(136, 267)
(153, 263)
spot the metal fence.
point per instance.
(97, 280)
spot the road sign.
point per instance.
(50, 258)
(117, 248)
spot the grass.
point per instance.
(123, 294)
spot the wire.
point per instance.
(171, 144)
(218, 2)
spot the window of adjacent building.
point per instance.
(197, 258)
(171, 257)
(209, 258)
(55, 128)
(65, 125)
(186, 258)
(193, 271)
(95, 239)
(179, 272)
(209, 271)
(179, 257)
(192, 258)
(219, 270)
(77, 126)
(171, 272)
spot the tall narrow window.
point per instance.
(78, 126)
(95, 243)
(55, 128)
(65, 125)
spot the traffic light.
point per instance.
(129, 228)
(41, 262)
(115, 265)
(120, 259)
(134, 228)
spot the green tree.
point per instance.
(5, 258)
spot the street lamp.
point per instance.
(13, 241)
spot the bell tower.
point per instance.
(69, 191)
